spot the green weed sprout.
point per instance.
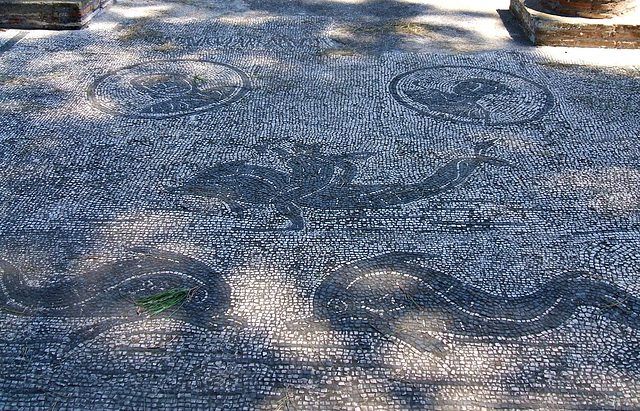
(157, 303)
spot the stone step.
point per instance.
(49, 14)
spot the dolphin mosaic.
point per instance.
(322, 182)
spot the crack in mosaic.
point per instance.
(323, 182)
(471, 95)
(168, 88)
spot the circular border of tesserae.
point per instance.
(538, 107)
(172, 92)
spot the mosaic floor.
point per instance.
(375, 212)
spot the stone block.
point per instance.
(49, 14)
(547, 29)
(597, 9)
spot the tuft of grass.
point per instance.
(335, 52)
(555, 64)
(199, 79)
(284, 402)
(410, 28)
(342, 52)
(416, 29)
(12, 311)
(10, 81)
(139, 31)
(157, 303)
(166, 47)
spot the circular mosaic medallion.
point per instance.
(168, 88)
(471, 95)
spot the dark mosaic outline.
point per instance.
(455, 307)
(392, 87)
(242, 91)
(320, 181)
(109, 290)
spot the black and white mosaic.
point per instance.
(323, 182)
(364, 225)
(162, 89)
(471, 95)
(398, 294)
(109, 290)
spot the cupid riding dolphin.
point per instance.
(323, 182)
